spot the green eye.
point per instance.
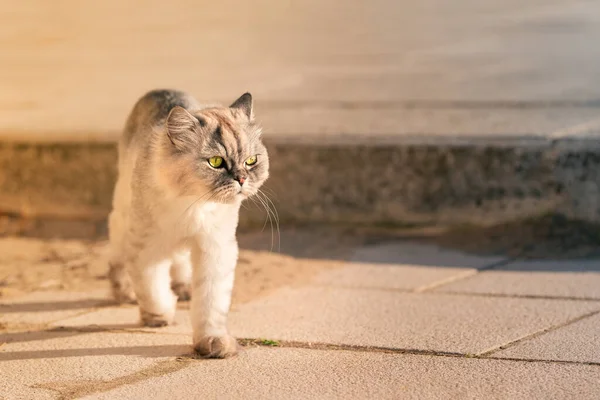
(216, 161)
(251, 161)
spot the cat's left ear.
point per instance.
(244, 104)
(182, 127)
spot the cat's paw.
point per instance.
(155, 320)
(123, 295)
(182, 291)
(216, 346)
(120, 284)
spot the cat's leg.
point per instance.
(181, 274)
(213, 264)
(150, 275)
(120, 282)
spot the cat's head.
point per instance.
(217, 152)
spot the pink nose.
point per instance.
(241, 180)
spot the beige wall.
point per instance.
(73, 68)
(76, 67)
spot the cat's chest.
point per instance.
(194, 219)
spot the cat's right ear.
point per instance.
(182, 127)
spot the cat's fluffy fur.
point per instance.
(172, 228)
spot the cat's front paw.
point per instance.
(216, 346)
(120, 284)
(123, 295)
(155, 320)
(182, 291)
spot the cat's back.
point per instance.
(152, 109)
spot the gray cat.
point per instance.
(184, 171)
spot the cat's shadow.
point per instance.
(63, 305)
(415, 250)
(170, 350)
(152, 351)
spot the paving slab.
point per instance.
(437, 322)
(40, 308)
(66, 361)
(404, 265)
(579, 341)
(569, 278)
(268, 374)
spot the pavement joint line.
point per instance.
(82, 389)
(464, 294)
(487, 353)
(390, 350)
(466, 275)
(522, 296)
(442, 282)
(247, 342)
(539, 360)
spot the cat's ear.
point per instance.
(244, 104)
(182, 127)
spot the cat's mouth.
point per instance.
(245, 191)
(235, 195)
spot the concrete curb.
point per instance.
(344, 179)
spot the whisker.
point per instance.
(266, 217)
(271, 202)
(270, 192)
(269, 213)
(275, 215)
(277, 221)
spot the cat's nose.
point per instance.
(240, 179)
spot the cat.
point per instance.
(184, 171)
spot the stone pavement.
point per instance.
(379, 319)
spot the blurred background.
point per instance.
(73, 69)
(461, 103)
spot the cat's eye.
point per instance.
(215, 162)
(251, 161)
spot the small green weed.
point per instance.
(268, 342)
